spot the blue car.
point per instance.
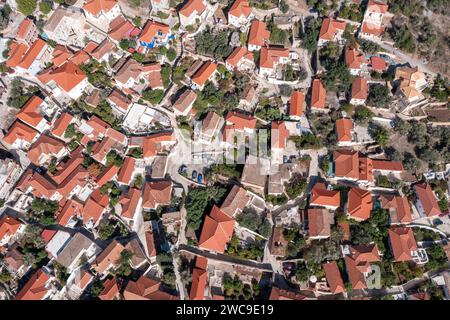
(194, 175)
(200, 178)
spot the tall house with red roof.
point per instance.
(403, 244)
(359, 91)
(37, 288)
(217, 231)
(359, 204)
(426, 202)
(240, 13)
(258, 36)
(205, 73)
(29, 59)
(344, 131)
(154, 34)
(317, 96)
(32, 114)
(9, 228)
(67, 79)
(354, 60)
(101, 12)
(296, 104)
(20, 136)
(269, 60)
(27, 32)
(192, 11)
(372, 25)
(331, 30)
(240, 59)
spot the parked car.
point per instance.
(194, 175)
(200, 178)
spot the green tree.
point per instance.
(379, 96)
(171, 54)
(153, 96)
(106, 229)
(26, 7)
(45, 7)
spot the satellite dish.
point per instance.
(313, 279)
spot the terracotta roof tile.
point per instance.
(334, 277)
(402, 243)
(317, 95)
(296, 103)
(344, 129)
(259, 35)
(359, 203)
(427, 199)
(217, 231)
(20, 131)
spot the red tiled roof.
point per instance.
(237, 55)
(270, 55)
(204, 73)
(279, 134)
(61, 123)
(377, 6)
(296, 103)
(353, 58)
(217, 231)
(330, 27)
(20, 131)
(8, 226)
(129, 202)
(359, 203)
(44, 145)
(110, 291)
(387, 165)
(69, 209)
(108, 257)
(199, 277)
(67, 76)
(79, 57)
(259, 35)
(60, 55)
(344, 129)
(146, 289)
(317, 95)
(402, 243)
(126, 171)
(32, 54)
(240, 8)
(186, 99)
(24, 26)
(151, 30)
(319, 222)
(334, 277)
(359, 89)
(398, 206)
(157, 193)
(427, 199)
(107, 175)
(120, 28)
(378, 64)
(35, 288)
(30, 112)
(16, 54)
(240, 120)
(192, 5)
(372, 29)
(346, 163)
(321, 196)
(97, 6)
(119, 99)
(93, 209)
